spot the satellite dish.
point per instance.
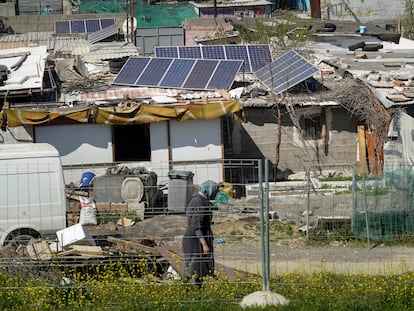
(128, 26)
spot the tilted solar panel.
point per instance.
(224, 75)
(131, 71)
(82, 26)
(259, 56)
(178, 73)
(238, 52)
(213, 52)
(285, 72)
(62, 27)
(200, 74)
(189, 52)
(166, 51)
(106, 22)
(155, 70)
(77, 26)
(255, 56)
(93, 25)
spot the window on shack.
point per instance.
(132, 142)
(311, 126)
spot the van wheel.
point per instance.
(21, 237)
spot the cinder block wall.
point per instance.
(257, 139)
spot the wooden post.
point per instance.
(362, 150)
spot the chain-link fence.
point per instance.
(125, 224)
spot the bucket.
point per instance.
(86, 179)
(362, 29)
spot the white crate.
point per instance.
(76, 234)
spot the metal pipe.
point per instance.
(266, 217)
(262, 235)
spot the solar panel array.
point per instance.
(82, 26)
(254, 57)
(199, 74)
(285, 72)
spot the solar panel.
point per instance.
(106, 22)
(238, 52)
(255, 56)
(178, 72)
(154, 71)
(259, 56)
(93, 25)
(82, 26)
(189, 52)
(220, 79)
(167, 51)
(62, 27)
(285, 72)
(213, 52)
(77, 26)
(200, 74)
(130, 72)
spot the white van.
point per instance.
(32, 192)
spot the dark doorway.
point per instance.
(132, 142)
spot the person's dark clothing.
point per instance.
(199, 216)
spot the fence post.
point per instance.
(266, 214)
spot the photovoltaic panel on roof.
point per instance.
(255, 56)
(285, 72)
(167, 51)
(259, 56)
(62, 27)
(200, 74)
(106, 22)
(179, 70)
(78, 26)
(213, 52)
(189, 52)
(239, 52)
(154, 71)
(82, 26)
(131, 70)
(93, 25)
(219, 80)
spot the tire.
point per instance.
(21, 237)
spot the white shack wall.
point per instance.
(195, 146)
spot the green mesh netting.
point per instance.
(386, 205)
(147, 15)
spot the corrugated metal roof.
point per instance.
(55, 43)
(382, 96)
(111, 50)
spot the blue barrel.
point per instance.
(86, 179)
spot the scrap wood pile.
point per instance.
(166, 262)
(40, 254)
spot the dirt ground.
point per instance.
(238, 245)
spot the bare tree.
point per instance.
(359, 100)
